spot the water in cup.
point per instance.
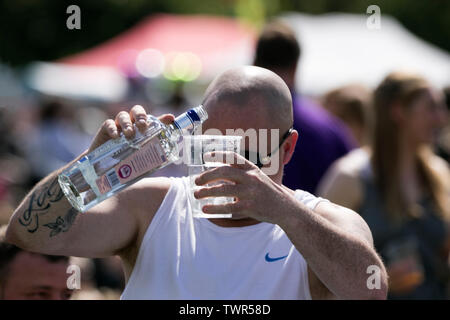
(195, 147)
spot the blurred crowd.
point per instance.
(383, 152)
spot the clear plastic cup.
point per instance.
(193, 150)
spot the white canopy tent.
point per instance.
(77, 82)
(338, 49)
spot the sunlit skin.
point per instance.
(32, 277)
(417, 123)
(254, 98)
(248, 121)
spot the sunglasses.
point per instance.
(260, 160)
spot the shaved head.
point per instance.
(257, 104)
(256, 94)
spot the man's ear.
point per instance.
(289, 146)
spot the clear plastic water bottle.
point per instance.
(121, 162)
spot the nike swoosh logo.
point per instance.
(269, 259)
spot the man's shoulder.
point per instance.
(147, 196)
(307, 198)
(150, 192)
(154, 183)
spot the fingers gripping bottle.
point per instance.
(118, 163)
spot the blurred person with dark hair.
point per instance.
(352, 104)
(27, 275)
(323, 137)
(401, 188)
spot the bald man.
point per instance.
(280, 244)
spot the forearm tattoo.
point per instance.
(62, 224)
(40, 202)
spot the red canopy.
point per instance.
(211, 43)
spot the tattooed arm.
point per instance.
(40, 200)
(46, 222)
(43, 214)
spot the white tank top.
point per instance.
(182, 257)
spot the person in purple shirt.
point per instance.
(323, 138)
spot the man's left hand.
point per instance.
(256, 195)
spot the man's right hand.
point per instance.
(46, 222)
(123, 123)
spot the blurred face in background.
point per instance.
(422, 118)
(33, 277)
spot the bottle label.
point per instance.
(150, 156)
